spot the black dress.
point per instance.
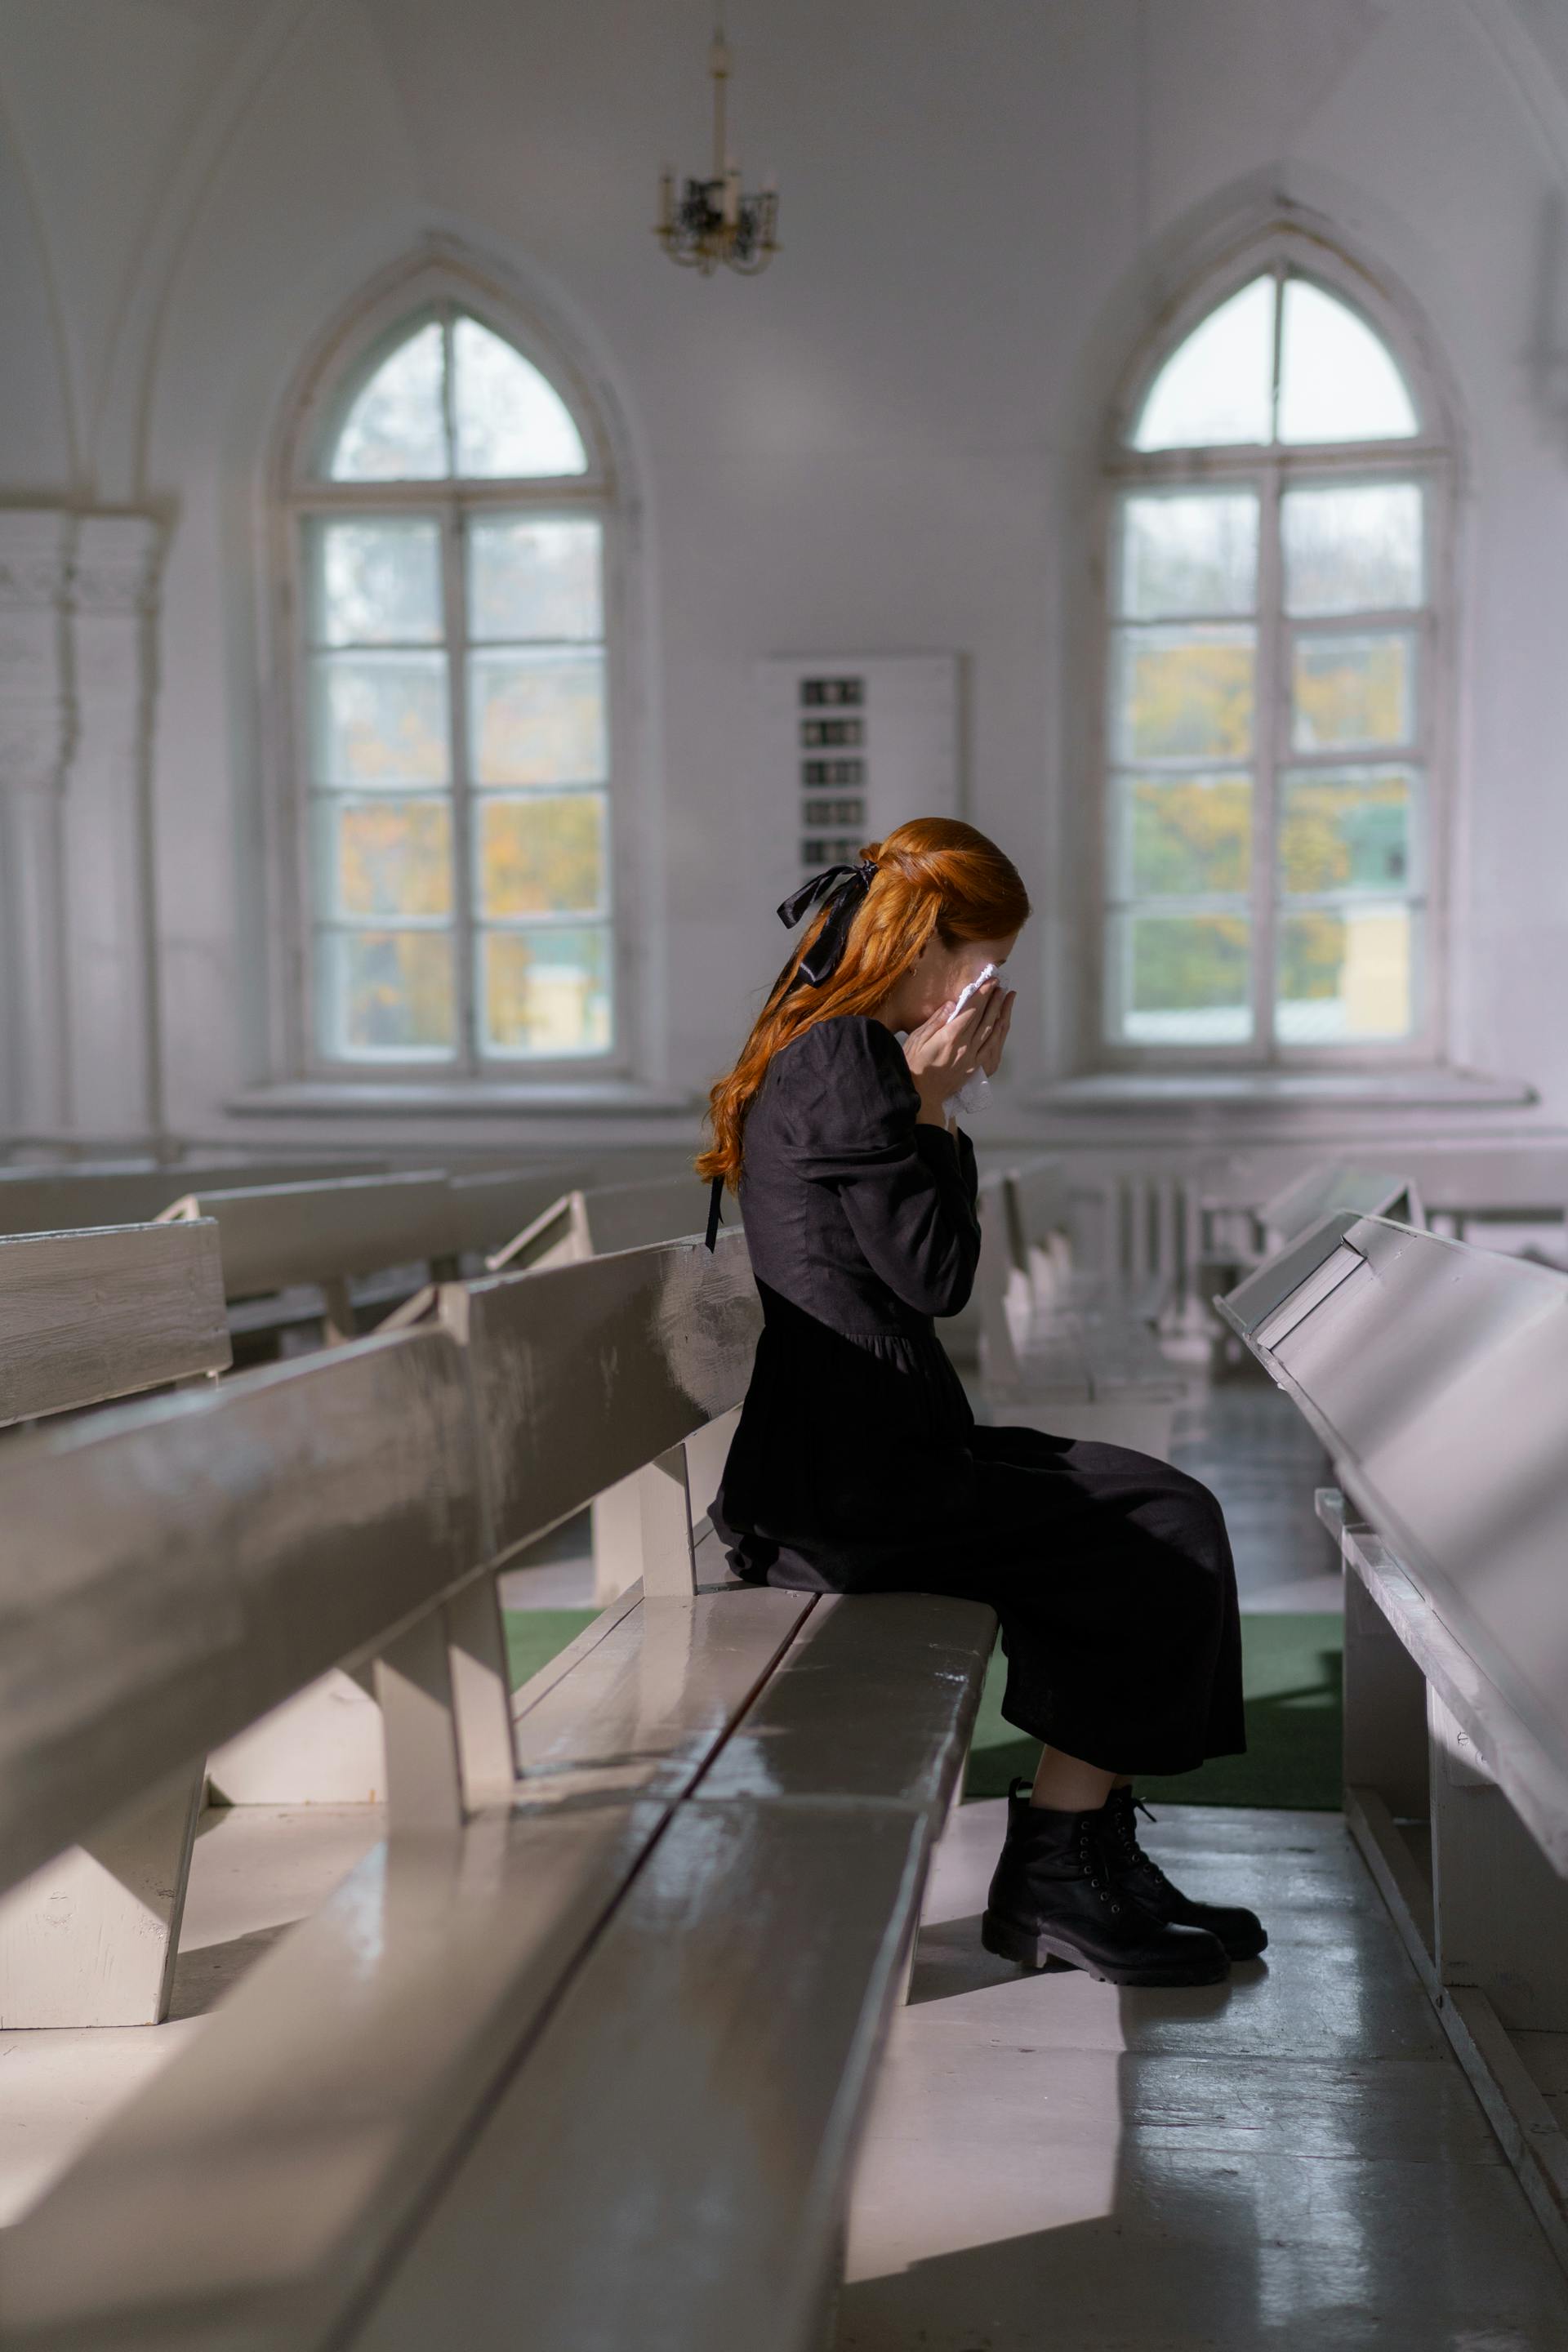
(857, 1466)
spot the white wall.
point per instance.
(884, 445)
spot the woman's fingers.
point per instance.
(996, 1035)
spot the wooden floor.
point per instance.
(1294, 2160)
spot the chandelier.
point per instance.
(711, 221)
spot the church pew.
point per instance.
(275, 1235)
(1472, 1193)
(323, 1230)
(92, 1315)
(86, 1317)
(593, 1223)
(1337, 1185)
(133, 1192)
(1061, 1349)
(589, 2037)
(1238, 1236)
(326, 1747)
(1436, 1375)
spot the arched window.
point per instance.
(1277, 525)
(449, 509)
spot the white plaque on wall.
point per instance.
(853, 745)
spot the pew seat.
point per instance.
(1436, 1375)
(581, 2049)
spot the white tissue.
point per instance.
(973, 1097)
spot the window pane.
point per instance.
(375, 582)
(1189, 836)
(510, 420)
(1351, 690)
(385, 857)
(1338, 381)
(541, 855)
(1184, 693)
(1189, 554)
(1184, 979)
(387, 995)
(395, 430)
(537, 719)
(379, 719)
(546, 991)
(1345, 975)
(533, 579)
(1218, 386)
(1345, 829)
(1352, 550)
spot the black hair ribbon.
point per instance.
(840, 888)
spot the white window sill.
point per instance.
(1409, 1089)
(377, 1097)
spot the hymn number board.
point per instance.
(857, 745)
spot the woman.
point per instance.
(857, 1466)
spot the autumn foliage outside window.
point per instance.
(1268, 688)
(455, 722)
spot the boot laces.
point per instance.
(1092, 1861)
(1132, 1854)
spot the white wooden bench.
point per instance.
(1436, 1375)
(276, 1238)
(305, 1250)
(593, 1223)
(1059, 1346)
(1239, 1235)
(89, 1316)
(132, 1192)
(85, 1317)
(582, 2049)
(1482, 1192)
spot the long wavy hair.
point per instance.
(935, 879)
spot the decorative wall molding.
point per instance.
(79, 1045)
(116, 563)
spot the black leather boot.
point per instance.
(1134, 1873)
(1052, 1898)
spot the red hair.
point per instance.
(935, 879)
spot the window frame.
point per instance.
(303, 492)
(1429, 457)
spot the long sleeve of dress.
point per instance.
(906, 1189)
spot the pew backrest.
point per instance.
(1337, 1186)
(591, 1222)
(62, 1200)
(89, 1316)
(583, 1374)
(1523, 1181)
(1436, 1375)
(275, 1235)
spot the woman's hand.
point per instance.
(997, 1036)
(943, 1053)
